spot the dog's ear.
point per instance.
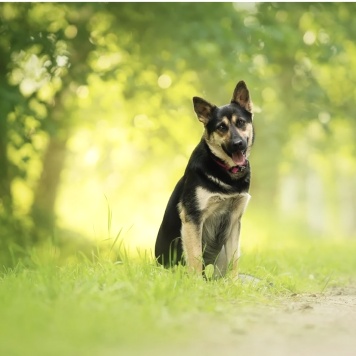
(241, 96)
(203, 109)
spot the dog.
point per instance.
(202, 221)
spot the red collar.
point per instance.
(233, 169)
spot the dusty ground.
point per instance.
(300, 325)
(308, 325)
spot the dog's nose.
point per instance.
(239, 145)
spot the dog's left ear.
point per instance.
(241, 96)
(203, 109)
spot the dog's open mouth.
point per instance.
(239, 158)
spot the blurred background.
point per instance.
(97, 122)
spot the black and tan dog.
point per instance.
(202, 220)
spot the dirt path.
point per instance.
(305, 325)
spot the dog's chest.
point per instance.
(220, 217)
(220, 213)
(210, 203)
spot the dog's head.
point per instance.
(228, 129)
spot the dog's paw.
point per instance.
(209, 272)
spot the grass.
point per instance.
(98, 307)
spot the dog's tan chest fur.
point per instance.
(210, 201)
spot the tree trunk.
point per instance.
(5, 179)
(43, 207)
(5, 191)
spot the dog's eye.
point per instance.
(240, 123)
(222, 127)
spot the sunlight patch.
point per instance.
(309, 38)
(83, 91)
(91, 157)
(164, 81)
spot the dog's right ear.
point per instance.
(203, 109)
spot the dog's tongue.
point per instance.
(238, 158)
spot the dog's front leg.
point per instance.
(232, 248)
(192, 246)
(232, 245)
(192, 243)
